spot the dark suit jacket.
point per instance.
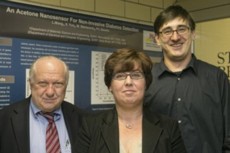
(99, 134)
(14, 126)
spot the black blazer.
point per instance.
(99, 134)
(14, 126)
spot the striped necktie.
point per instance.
(52, 140)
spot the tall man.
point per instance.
(194, 92)
(24, 125)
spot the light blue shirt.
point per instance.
(38, 125)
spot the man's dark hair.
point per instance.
(170, 13)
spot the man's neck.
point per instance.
(177, 66)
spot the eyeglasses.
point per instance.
(181, 30)
(135, 75)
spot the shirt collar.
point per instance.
(191, 65)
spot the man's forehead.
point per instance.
(174, 23)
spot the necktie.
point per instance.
(52, 140)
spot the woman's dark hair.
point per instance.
(171, 13)
(124, 60)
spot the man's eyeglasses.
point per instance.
(181, 30)
(135, 75)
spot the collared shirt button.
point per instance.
(179, 121)
(178, 99)
(178, 79)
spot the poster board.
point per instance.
(82, 41)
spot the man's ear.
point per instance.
(193, 35)
(157, 40)
(110, 89)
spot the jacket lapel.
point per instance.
(151, 133)
(20, 126)
(68, 117)
(72, 120)
(110, 132)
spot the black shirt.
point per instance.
(199, 98)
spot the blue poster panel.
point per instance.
(82, 41)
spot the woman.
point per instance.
(129, 127)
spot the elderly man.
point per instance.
(43, 122)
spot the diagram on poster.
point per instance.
(99, 91)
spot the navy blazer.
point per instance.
(14, 126)
(100, 134)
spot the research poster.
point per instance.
(82, 41)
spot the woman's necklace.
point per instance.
(129, 125)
